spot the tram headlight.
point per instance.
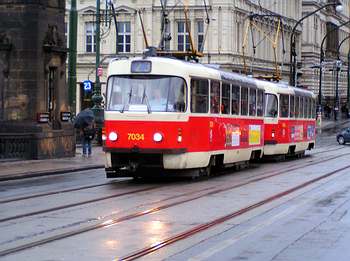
(113, 136)
(104, 137)
(157, 137)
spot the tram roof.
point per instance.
(181, 68)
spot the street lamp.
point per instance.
(293, 54)
(319, 109)
(338, 67)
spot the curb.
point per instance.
(7, 177)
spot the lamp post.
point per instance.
(97, 98)
(348, 91)
(338, 67)
(293, 54)
(72, 62)
(319, 109)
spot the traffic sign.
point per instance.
(99, 71)
(87, 85)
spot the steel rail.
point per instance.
(44, 211)
(131, 216)
(222, 219)
(14, 199)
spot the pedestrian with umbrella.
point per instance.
(85, 122)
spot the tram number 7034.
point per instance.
(136, 136)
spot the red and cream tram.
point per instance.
(176, 115)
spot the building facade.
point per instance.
(247, 36)
(33, 93)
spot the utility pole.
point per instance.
(72, 61)
(97, 98)
(348, 90)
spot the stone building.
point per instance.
(33, 92)
(224, 36)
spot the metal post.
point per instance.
(293, 54)
(321, 61)
(336, 100)
(348, 91)
(319, 106)
(337, 103)
(72, 61)
(97, 98)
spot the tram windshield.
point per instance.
(146, 93)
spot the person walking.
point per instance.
(87, 135)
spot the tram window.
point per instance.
(214, 97)
(308, 108)
(271, 105)
(260, 103)
(235, 99)
(199, 96)
(301, 107)
(146, 93)
(284, 106)
(252, 102)
(291, 109)
(305, 107)
(297, 115)
(225, 98)
(244, 101)
(313, 109)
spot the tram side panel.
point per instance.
(289, 137)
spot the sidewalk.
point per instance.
(34, 168)
(330, 125)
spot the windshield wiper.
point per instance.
(130, 95)
(144, 97)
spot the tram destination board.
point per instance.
(141, 67)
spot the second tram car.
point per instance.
(171, 114)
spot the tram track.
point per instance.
(158, 208)
(48, 210)
(205, 226)
(81, 203)
(44, 194)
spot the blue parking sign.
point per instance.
(87, 85)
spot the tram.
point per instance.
(171, 114)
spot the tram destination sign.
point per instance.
(141, 66)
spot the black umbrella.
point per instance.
(84, 118)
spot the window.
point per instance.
(301, 107)
(183, 40)
(284, 106)
(151, 93)
(271, 105)
(225, 98)
(235, 99)
(214, 97)
(332, 38)
(297, 109)
(260, 103)
(90, 37)
(124, 37)
(291, 110)
(252, 102)
(244, 101)
(199, 96)
(305, 107)
(313, 109)
(200, 35)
